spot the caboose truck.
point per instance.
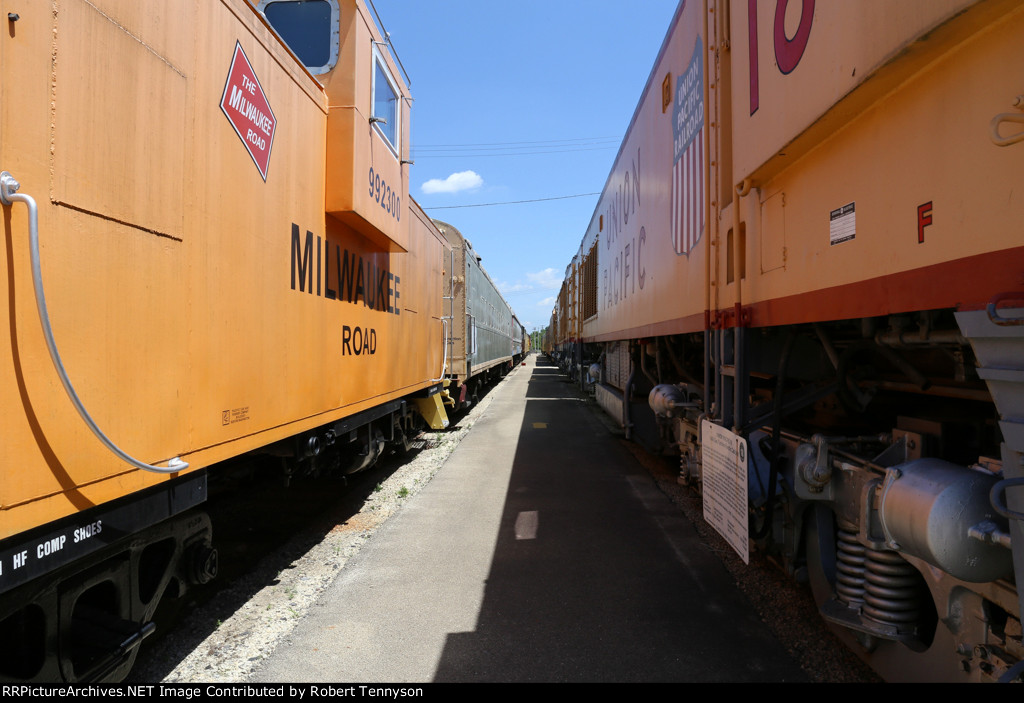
(801, 278)
(155, 328)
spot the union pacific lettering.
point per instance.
(626, 273)
(623, 200)
(344, 276)
(623, 272)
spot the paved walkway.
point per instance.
(541, 551)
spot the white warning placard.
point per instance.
(842, 224)
(724, 460)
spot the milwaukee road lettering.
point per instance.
(250, 112)
(622, 270)
(325, 269)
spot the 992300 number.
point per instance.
(385, 196)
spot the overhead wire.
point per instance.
(509, 149)
(523, 148)
(546, 141)
(510, 202)
(478, 155)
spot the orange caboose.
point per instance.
(230, 263)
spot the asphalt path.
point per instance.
(541, 551)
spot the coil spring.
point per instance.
(881, 583)
(850, 556)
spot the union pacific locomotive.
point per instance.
(209, 251)
(804, 278)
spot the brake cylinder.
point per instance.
(927, 508)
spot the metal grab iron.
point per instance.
(8, 196)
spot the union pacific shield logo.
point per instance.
(687, 216)
(246, 106)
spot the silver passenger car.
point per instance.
(482, 336)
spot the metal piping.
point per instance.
(643, 365)
(657, 357)
(8, 196)
(915, 376)
(444, 359)
(679, 366)
(707, 370)
(826, 343)
(908, 338)
(387, 40)
(776, 443)
(626, 393)
(444, 320)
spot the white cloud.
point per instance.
(548, 279)
(463, 180)
(547, 302)
(507, 288)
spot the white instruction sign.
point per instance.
(724, 460)
(842, 224)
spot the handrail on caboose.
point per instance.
(445, 331)
(444, 359)
(8, 196)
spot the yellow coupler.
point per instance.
(432, 410)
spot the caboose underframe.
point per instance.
(82, 613)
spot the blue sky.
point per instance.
(521, 101)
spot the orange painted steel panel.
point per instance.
(801, 64)
(890, 149)
(168, 261)
(862, 106)
(645, 277)
(951, 284)
(371, 193)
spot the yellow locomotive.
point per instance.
(209, 250)
(804, 277)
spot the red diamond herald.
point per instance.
(245, 105)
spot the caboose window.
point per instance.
(310, 28)
(385, 102)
